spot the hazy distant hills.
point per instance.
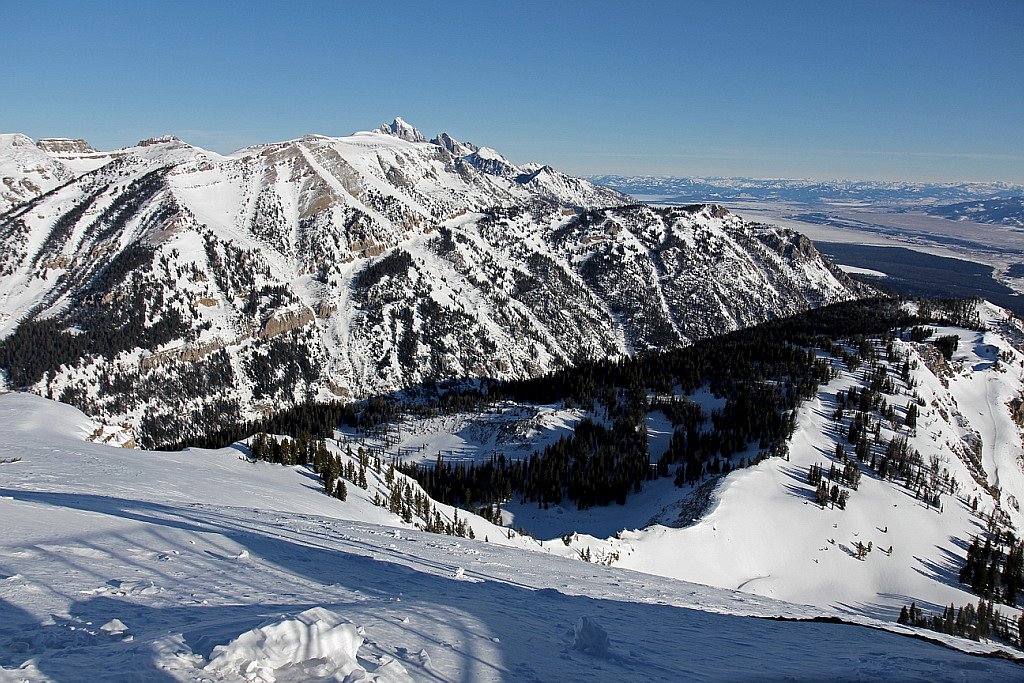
(682, 190)
(1009, 211)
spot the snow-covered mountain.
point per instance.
(172, 287)
(30, 168)
(27, 171)
(201, 565)
(400, 128)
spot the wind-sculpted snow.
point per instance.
(204, 566)
(314, 644)
(173, 288)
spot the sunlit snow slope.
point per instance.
(127, 565)
(764, 533)
(759, 529)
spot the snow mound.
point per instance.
(131, 587)
(590, 638)
(114, 627)
(314, 644)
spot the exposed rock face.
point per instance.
(454, 147)
(188, 354)
(65, 146)
(283, 322)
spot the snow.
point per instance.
(402, 129)
(659, 434)
(854, 270)
(316, 643)
(983, 390)
(203, 564)
(115, 627)
(511, 429)
(763, 533)
(489, 153)
(26, 170)
(313, 211)
(125, 565)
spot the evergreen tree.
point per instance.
(911, 419)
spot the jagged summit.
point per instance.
(459, 149)
(161, 140)
(401, 129)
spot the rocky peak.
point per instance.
(401, 129)
(161, 140)
(458, 149)
(491, 162)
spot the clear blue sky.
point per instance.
(925, 90)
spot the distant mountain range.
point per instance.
(1009, 211)
(896, 194)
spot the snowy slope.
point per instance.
(344, 267)
(77, 154)
(764, 534)
(26, 171)
(758, 529)
(30, 168)
(129, 565)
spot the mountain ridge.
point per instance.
(343, 267)
(891, 193)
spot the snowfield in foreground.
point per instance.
(126, 565)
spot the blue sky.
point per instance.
(925, 90)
